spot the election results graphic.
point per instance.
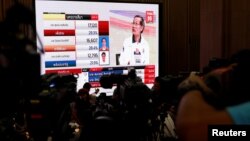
(71, 40)
(80, 37)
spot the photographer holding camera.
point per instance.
(201, 106)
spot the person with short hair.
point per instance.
(92, 96)
(104, 58)
(135, 49)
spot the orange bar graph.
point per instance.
(56, 48)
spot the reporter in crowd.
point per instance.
(201, 106)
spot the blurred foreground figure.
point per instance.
(201, 105)
(19, 71)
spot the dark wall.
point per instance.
(225, 28)
(238, 25)
(184, 35)
(211, 30)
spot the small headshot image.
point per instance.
(104, 58)
(104, 44)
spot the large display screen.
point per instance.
(93, 39)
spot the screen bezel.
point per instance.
(160, 27)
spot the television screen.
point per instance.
(93, 39)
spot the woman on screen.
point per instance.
(104, 46)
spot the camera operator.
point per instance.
(137, 111)
(199, 105)
(163, 108)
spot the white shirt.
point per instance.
(134, 53)
(102, 62)
(169, 127)
(106, 60)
